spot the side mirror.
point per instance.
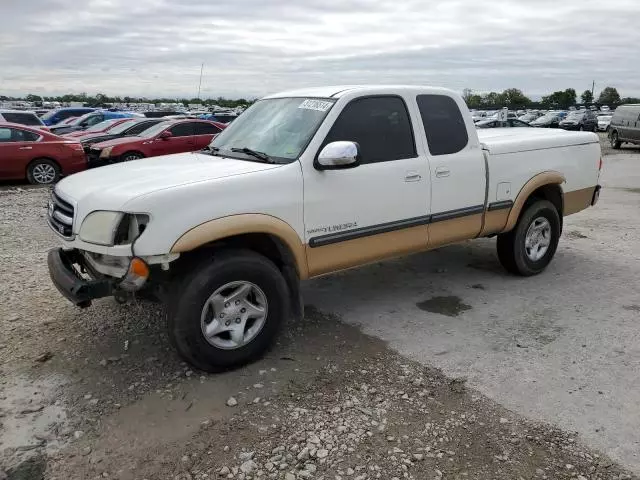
(166, 135)
(338, 155)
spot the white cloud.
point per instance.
(252, 47)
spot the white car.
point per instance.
(603, 122)
(303, 184)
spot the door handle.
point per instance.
(442, 172)
(25, 148)
(412, 177)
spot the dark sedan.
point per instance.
(510, 123)
(550, 120)
(129, 128)
(582, 120)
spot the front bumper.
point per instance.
(68, 269)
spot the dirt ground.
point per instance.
(99, 393)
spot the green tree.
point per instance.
(609, 96)
(587, 97)
(33, 98)
(473, 100)
(513, 97)
(560, 99)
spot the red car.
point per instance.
(40, 157)
(101, 127)
(173, 136)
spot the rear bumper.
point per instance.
(64, 268)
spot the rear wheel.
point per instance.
(529, 247)
(613, 139)
(227, 312)
(43, 171)
(127, 157)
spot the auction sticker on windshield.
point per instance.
(316, 105)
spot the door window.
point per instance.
(182, 129)
(202, 128)
(443, 124)
(22, 118)
(379, 125)
(5, 134)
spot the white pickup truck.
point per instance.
(303, 184)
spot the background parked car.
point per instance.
(580, 120)
(174, 136)
(89, 119)
(23, 118)
(37, 155)
(511, 122)
(625, 125)
(56, 116)
(226, 118)
(550, 120)
(603, 122)
(529, 117)
(101, 127)
(128, 128)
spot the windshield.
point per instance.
(49, 115)
(575, 116)
(78, 120)
(155, 130)
(121, 127)
(98, 127)
(279, 127)
(547, 118)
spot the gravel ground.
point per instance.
(99, 393)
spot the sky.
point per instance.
(250, 48)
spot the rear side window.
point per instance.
(22, 118)
(443, 124)
(379, 125)
(206, 129)
(182, 129)
(24, 136)
(140, 127)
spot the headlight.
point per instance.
(100, 227)
(106, 152)
(112, 228)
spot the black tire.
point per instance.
(613, 139)
(36, 172)
(511, 245)
(129, 156)
(184, 308)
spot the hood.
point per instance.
(118, 141)
(111, 187)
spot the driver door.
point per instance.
(181, 140)
(379, 208)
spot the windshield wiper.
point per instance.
(260, 155)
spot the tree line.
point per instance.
(514, 98)
(101, 99)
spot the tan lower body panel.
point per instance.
(577, 200)
(495, 221)
(360, 251)
(454, 230)
(352, 253)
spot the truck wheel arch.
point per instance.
(545, 185)
(242, 228)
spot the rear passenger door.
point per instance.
(17, 149)
(457, 169)
(203, 134)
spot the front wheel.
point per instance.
(43, 172)
(226, 313)
(615, 142)
(127, 157)
(529, 247)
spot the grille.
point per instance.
(60, 215)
